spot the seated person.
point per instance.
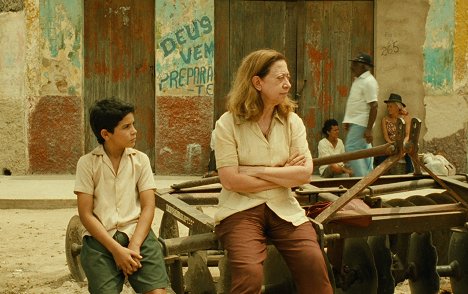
(115, 189)
(395, 109)
(332, 145)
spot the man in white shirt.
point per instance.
(331, 144)
(361, 112)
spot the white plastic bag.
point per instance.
(438, 164)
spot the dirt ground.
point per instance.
(32, 254)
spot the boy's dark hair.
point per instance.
(329, 123)
(106, 114)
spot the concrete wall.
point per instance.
(13, 126)
(184, 85)
(421, 51)
(55, 102)
(40, 86)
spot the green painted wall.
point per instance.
(439, 47)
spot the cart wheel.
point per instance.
(383, 262)
(198, 278)
(398, 202)
(440, 238)
(419, 200)
(399, 244)
(359, 274)
(422, 261)
(73, 243)
(441, 198)
(458, 254)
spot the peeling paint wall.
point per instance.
(461, 48)
(185, 47)
(446, 102)
(11, 6)
(183, 134)
(421, 53)
(61, 27)
(438, 48)
(54, 75)
(184, 85)
(13, 144)
(461, 66)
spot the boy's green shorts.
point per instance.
(104, 276)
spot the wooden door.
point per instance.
(317, 37)
(334, 32)
(244, 26)
(119, 62)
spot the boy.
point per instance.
(115, 190)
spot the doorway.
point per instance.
(119, 57)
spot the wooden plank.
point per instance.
(181, 245)
(333, 31)
(325, 98)
(223, 75)
(352, 193)
(309, 189)
(184, 213)
(396, 212)
(313, 68)
(236, 29)
(95, 61)
(339, 53)
(362, 34)
(253, 26)
(119, 61)
(386, 149)
(384, 225)
(300, 38)
(457, 186)
(290, 44)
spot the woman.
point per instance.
(261, 152)
(332, 145)
(395, 110)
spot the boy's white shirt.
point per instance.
(116, 196)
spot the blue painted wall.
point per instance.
(439, 47)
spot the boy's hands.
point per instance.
(136, 249)
(127, 260)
